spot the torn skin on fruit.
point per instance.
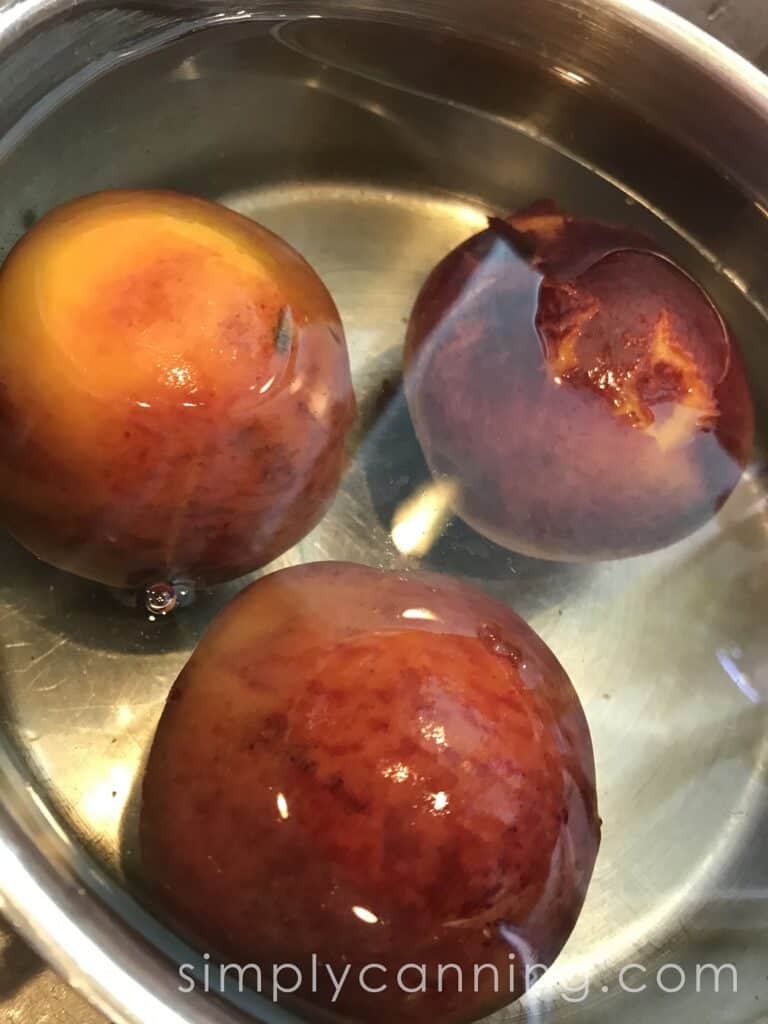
(579, 388)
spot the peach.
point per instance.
(374, 769)
(579, 388)
(174, 391)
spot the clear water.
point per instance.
(360, 154)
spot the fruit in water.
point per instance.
(579, 388)
(174, 391)
(375, 769)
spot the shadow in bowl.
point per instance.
(18, 964)
(92, 615)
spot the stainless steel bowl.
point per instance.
(375, 135)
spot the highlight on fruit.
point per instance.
(175, 392)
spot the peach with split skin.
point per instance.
(175, 391)
(375, 769)
(579, 388)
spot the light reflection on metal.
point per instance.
(421, 519)
(105, 801)
(124, 715)
(738, 677)
(188, 70)
(570, 76)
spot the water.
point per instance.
(374, 159)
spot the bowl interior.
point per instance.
(374, 145)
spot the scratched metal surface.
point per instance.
(30, 993)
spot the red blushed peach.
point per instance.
(376, 769)
(579, 388)
(174, 391)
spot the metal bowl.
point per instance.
(375, 135)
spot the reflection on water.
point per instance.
(420, 521)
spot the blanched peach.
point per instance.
(579, 388)
(375, 769)
(174, 391)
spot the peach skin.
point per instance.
(579, 388)
(375, 769)
(174, 391)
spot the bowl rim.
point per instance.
(712, 55)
